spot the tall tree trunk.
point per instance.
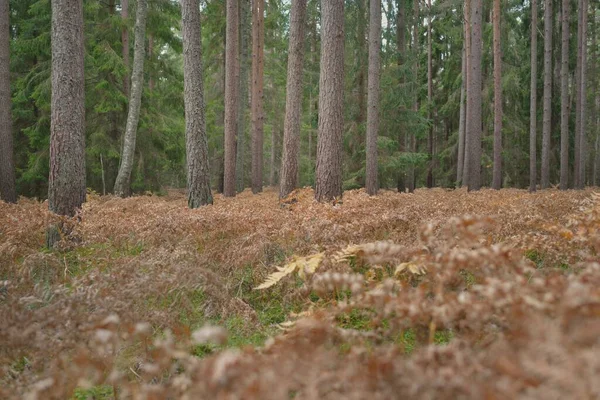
(564, 99)
(546, 119)
(8, 192)
(66, 185)
(497, 172)
(577, 94)
(403, 137)
(122, 183)
(232, 86)
(533, 101)
(331, 102)
(245, 11)
(373, 95)
(474, 95)
(461, 121)
(198, 174)
(258, 44)
(288, 180)
(413, 137)
(429, 96)
(580, 135)
(125, 43)
(467, 13)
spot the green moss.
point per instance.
(95, 393)
(443, 337)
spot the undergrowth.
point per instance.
(436, 294)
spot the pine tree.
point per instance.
(258, 40)
(7, 168)
(66, 189)
(199, 193)
(373, 95)
(547, 121)
(293, 105)
(331, 96)
(474, 99)
(123, 181)
(533, 101)
(564, 98)
(497, 172)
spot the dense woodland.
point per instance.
(195, 243)
(401, 112)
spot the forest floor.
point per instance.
(436, 294)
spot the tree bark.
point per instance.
(122, 183)
(474, 95)
(288, 180)
(461, 121)
(413, 137)
(546, 119)
(533, 101)
(66, 185)
(198, 174)
(564, 98)
(243, 103)
(467, 13)
(151, 82)
(403, 137)
(373, 95)
(331, 102)
(232, 86)
(8, 191)
(429, 97)
(580, 136)
(258, 43)
(497, 171)
(125, 44)
(578, 122)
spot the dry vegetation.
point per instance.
(440, 294)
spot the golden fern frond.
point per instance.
(410, 267)
(303, 265)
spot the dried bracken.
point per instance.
(436, 294)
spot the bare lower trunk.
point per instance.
(7, 168)
(577, 94)
(474, 93)
(497, 171)
(403, 139)
(198, 175)
(258, 40)
(564, 97)
(373, 96)
(429, 98)
(232, 85)
(66, 185)
(413, 138)
(125, 44)
(533, 100)
(243, 103)
(580, 135)
(331, 99)
(546, 119)
(461, 121)
(293, 105)
(467, 18)
(122, 183)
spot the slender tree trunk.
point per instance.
(66, 185)
(198, 174)
(577, 94)
(461, 121)
(547, 121)
(429, 97)
(232, 86)
(373, 95)
(474, 95)
(8, 192)
(403, 138)
(331, 102)
(467, 12)
(258, 43)
(497, 172)
(564, 98)
(533, 101)
(125, 44)
(580, 136)
(413, 138)
(245, 16)
(122, 183)
(293, 106)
